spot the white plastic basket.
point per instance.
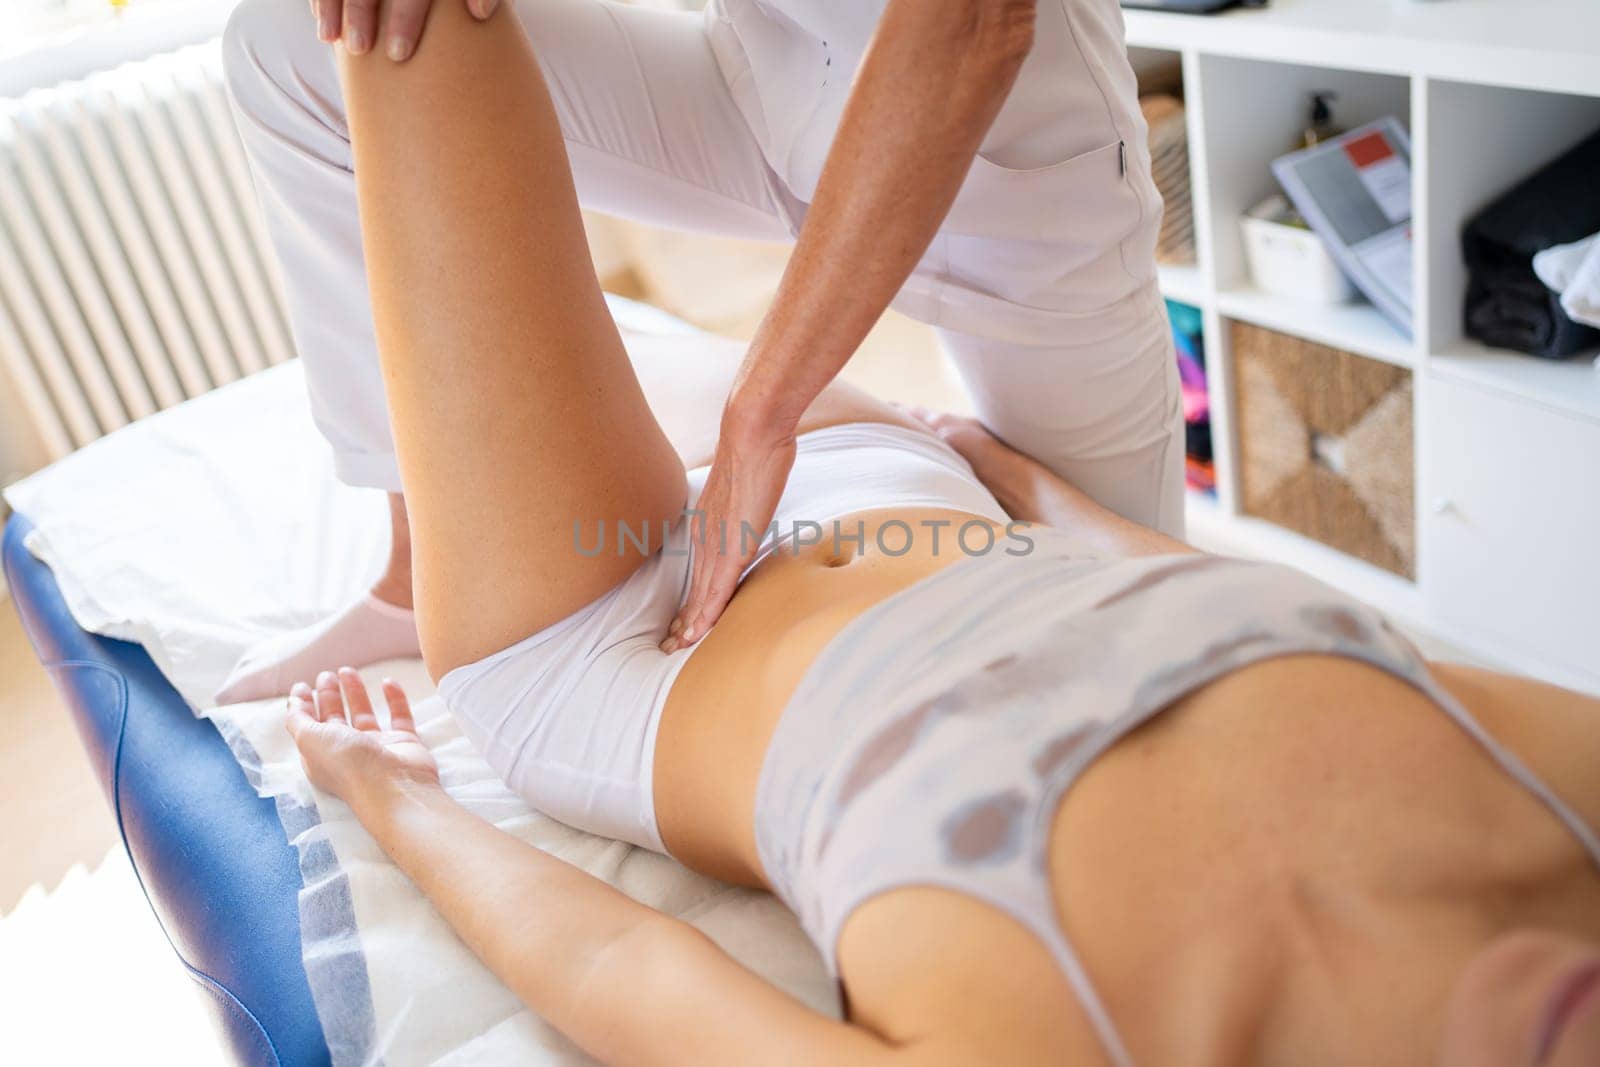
(1291, 261)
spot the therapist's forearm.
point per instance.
(931, 84)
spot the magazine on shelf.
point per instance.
(1354, 190)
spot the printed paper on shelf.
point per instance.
(1355, 192)
(1385, 174)
(1388, 257)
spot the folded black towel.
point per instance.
(1507, 305)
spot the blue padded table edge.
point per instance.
(210, 854)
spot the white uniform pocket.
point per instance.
(1086, 201)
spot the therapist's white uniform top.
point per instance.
(1040, 283)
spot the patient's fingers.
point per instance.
(330, 705)
(400, 717)
(356, 701)
(940, 422)
(916, 411)
(302, 709)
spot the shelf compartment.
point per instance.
(1478, 143)
(1570, 386)
(1256, 112)
(1325, 443)
(1202, 507)
(1189, 339)
(1356, 327)
(1183, 284)
(1163, 99)
(1549, 44)
(1508, 530)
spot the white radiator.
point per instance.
(134, 268)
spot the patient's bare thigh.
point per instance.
(516, 413)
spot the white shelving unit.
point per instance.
(1507, 445)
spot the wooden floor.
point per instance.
(52, 812)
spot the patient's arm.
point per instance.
(625, 982)
(1032, 492)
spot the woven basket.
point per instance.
(1169, 165)
(1325, 445)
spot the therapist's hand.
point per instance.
(356, 23)
(747, 476)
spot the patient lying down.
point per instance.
(1043, 786)
(1356, 916)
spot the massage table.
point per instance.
(211, 855)
(177, 542)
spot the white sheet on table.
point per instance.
(425, 998)
(205, 528)
(202, 529)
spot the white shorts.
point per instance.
(568, 716)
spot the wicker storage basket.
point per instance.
(1169, 165)
(1325, 445)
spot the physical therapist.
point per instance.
(980, 165)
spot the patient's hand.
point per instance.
(345, 750)
(1011, 476)
(1031, 492)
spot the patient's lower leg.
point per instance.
(378, 626)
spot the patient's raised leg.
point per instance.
(515, 412)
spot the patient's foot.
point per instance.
(369, 631)
(377, 627)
